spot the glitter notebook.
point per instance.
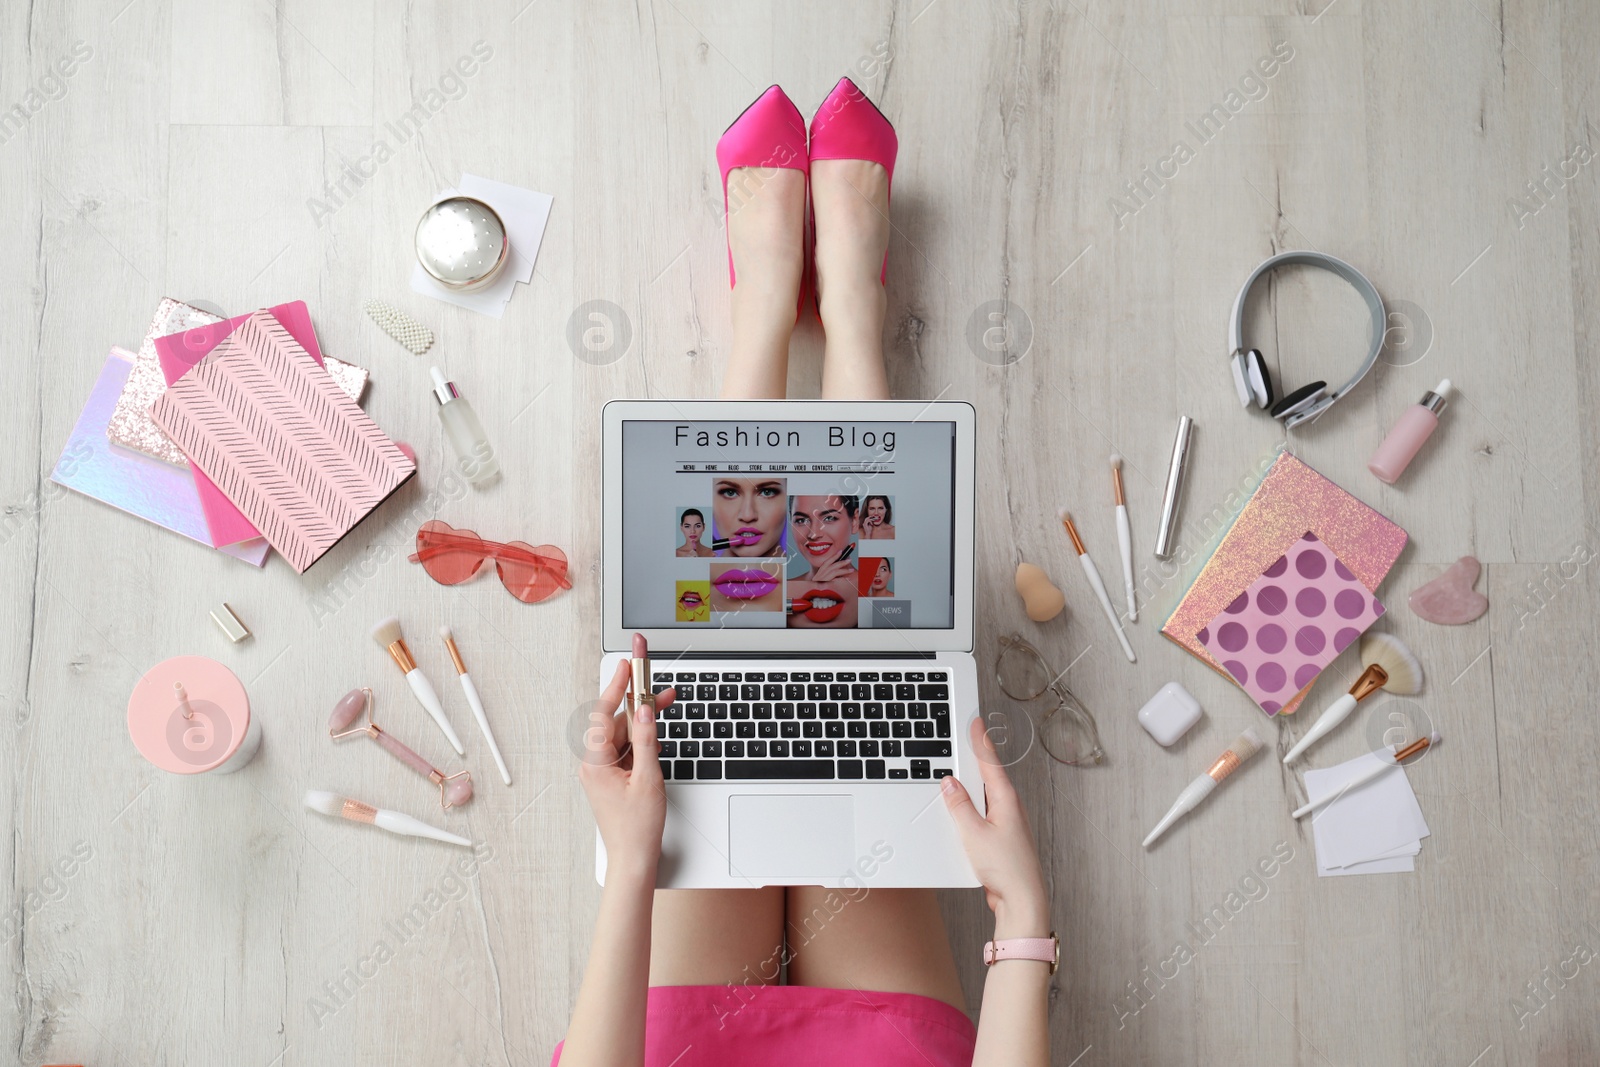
(130, 424)
(1291, 499)
(292, 451)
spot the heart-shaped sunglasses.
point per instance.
(451, 556)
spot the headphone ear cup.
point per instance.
(1259, 380)
(1299, 400)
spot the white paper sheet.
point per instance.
(525, 213)
(1378, 825)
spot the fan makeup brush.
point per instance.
(1388, 664)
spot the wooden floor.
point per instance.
(198, 151)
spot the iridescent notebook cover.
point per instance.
(132, 481)
(1291, 499)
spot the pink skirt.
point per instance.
(801, 1026)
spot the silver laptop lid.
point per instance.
(794, 526)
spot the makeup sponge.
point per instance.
(1042, 600)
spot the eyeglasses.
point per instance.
(1067, 731)
(451, 556)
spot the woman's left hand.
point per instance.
(621, 776)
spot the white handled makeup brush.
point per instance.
(387, 634)
(393, 821)
(1099, 587)
(475, 700)
(1244, 746)
(1391, 755)
(1124, 535)
(1389, 665)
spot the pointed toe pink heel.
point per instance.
(770, 133)
(849, 126)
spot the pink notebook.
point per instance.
(179, 352)
(1291, 499)
(261, 419)
(1279, 634)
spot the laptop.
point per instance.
(803, 573)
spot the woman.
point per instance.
(877, 519)
(748, 513)
(879, 583)
(824, 594)
(878, 983)
(693, 527)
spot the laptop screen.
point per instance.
(797, 524)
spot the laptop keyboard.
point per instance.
(812, 726)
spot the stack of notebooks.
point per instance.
(239, 434)
(1290, 585)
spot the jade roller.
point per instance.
(454, 789)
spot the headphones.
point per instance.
(1307, 403)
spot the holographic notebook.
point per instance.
(292, 451)
(1291, 499)
(132, 481)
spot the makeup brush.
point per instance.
(1392, 755)
(388, 636)
(1124, 535)
(1388, 664)
(1093, 574)
(475, 700)
(395, 822)
(1244, 746)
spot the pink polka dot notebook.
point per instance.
(1277, 636)
(1291, 499)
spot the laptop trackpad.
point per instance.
(790, 836)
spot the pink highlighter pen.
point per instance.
(1415, 425)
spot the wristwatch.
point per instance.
(1044, 949)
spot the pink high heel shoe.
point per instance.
(850, 126)
(770, 133)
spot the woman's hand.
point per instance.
(1000, 846)
(832, 571)
(621, 776)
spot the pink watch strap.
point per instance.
(1044, 949)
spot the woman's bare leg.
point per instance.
(716, 936)
(766, 227)
(850, 198)
(723, 936)
(888, 941)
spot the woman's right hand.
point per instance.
(621, 776)
(1000, 845)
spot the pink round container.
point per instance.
(212, 731)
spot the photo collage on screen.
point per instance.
(750, 554)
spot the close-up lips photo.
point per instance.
(690, 600)
(751, 584)
(819, 605)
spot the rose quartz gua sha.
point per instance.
(454, 789)
(1449, 599)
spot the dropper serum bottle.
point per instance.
(1411, 431)
(474, 454)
